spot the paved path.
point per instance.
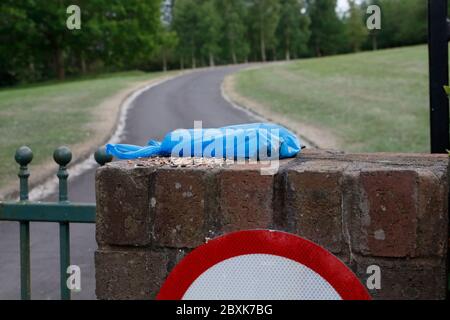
(171, 105)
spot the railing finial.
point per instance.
(23, 157)
(62, 156)
(102, 157)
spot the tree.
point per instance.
(130, 28)
(209, 30)
(356, 31)
(293, 28)
(373, 34)
(414, 28)
(50, 34)
(16, 33)
(234, 14)
(35, 43)
(410, 29)
(186, 21)
(167, 42)
(265, 15)
(326, 28)
(85, 45)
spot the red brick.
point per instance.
(389, 212)
(403, 279)
(382, 158)
(123, 216)
(314, 202)
(178, 207)
(245, 198)
(432, 213)
(129, 275)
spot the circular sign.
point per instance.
(261, 265)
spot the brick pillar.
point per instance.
(384, 209)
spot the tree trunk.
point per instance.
(233, 56)
(318, 51)
(374, 42)
(288, 54)
(31, 70)
(263, 49)
(261, 36)
(164, 62)
(83, 63)
(59, 64)
(211, 60)
(194, 61)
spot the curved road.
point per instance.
(174, 104)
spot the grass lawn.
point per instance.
(373, 101)
(45, 116)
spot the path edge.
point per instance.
(43, 180)
(309, 134)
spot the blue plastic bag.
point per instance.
(249, 141)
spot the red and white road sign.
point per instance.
(261, 265)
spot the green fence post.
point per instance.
(23, 157)
(62, 157)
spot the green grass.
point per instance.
(373, 101)
(45, 116)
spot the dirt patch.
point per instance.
(313, 135)
(106, 118)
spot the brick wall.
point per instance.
(384, 209)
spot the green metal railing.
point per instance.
(62, 212)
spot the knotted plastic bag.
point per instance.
(249, 141)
